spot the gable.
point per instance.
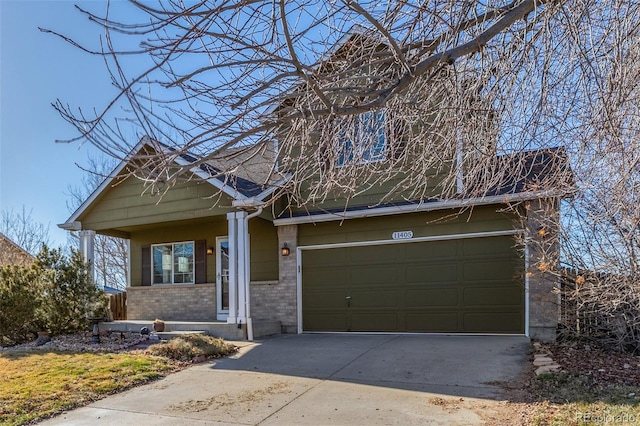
(124, 200)
(127, 202)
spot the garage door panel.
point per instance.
(373, 321)
(368, 255)
(423, 273)
(493, 270)
(330, 257)
(493, 322)
(432, 322)
(324, 277)
(433, 250)
(327, 321)
(374, 299)
(336, 299)
(485, 246)
(373, 275)
(439, 297)
(493, 296)
(466, 285)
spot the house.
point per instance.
(369, 265)
(12, 254)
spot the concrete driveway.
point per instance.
(328, 379)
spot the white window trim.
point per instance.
(172, 263)
(357, 145)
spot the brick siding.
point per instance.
(172, 302)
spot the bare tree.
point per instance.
(456, 82)
(23, 230)
(111, 256)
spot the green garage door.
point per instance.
(472, 285)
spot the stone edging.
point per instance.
(543, 362)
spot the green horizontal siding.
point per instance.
(442, 222)
(124, 205)
(263, 245)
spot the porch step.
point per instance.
(213, 328)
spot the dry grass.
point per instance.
(38, 384)
(571, 399)
(193, 347)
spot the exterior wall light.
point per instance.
(209, 250)
(285, 250)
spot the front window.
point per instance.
(362, 139)
(173, 263)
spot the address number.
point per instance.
(402, 235)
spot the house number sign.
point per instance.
(402, 235)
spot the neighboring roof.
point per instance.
(539, 173)
(12, 254)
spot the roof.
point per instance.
(538, 173)
(11, 253)
(532, 171)
(243, 186)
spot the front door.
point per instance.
(222, 277)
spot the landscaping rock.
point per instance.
(82, 342)
(543, 360)
(548, 369)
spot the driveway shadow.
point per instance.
(465, 366)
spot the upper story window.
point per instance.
(363, 139)
(173, 263)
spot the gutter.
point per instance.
(422, 207)
(71, 226)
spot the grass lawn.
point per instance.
(37, 384)
(570, 399)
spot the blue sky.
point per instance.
(35, 69)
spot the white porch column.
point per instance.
(87, 247)
(243, 234)
(232, 318)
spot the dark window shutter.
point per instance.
(146, 265)
(201, 261)
(395, 136)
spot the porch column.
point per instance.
(233, 268)
(242, 237)
(87, 246)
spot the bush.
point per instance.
(190, 346)
(54, 294)
(20, 300)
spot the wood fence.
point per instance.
(579, 317)
(118, 306)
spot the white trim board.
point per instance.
(416, 208)
(300, 249)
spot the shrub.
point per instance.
(69, 294)
(54, 294)
(20, 299)
(187, 347)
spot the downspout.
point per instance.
(247, 282)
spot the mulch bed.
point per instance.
(83, 342)
(605, 367)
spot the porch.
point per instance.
(221, 329)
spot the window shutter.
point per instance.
(146, 265)
(395, 136)
(200, 250)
